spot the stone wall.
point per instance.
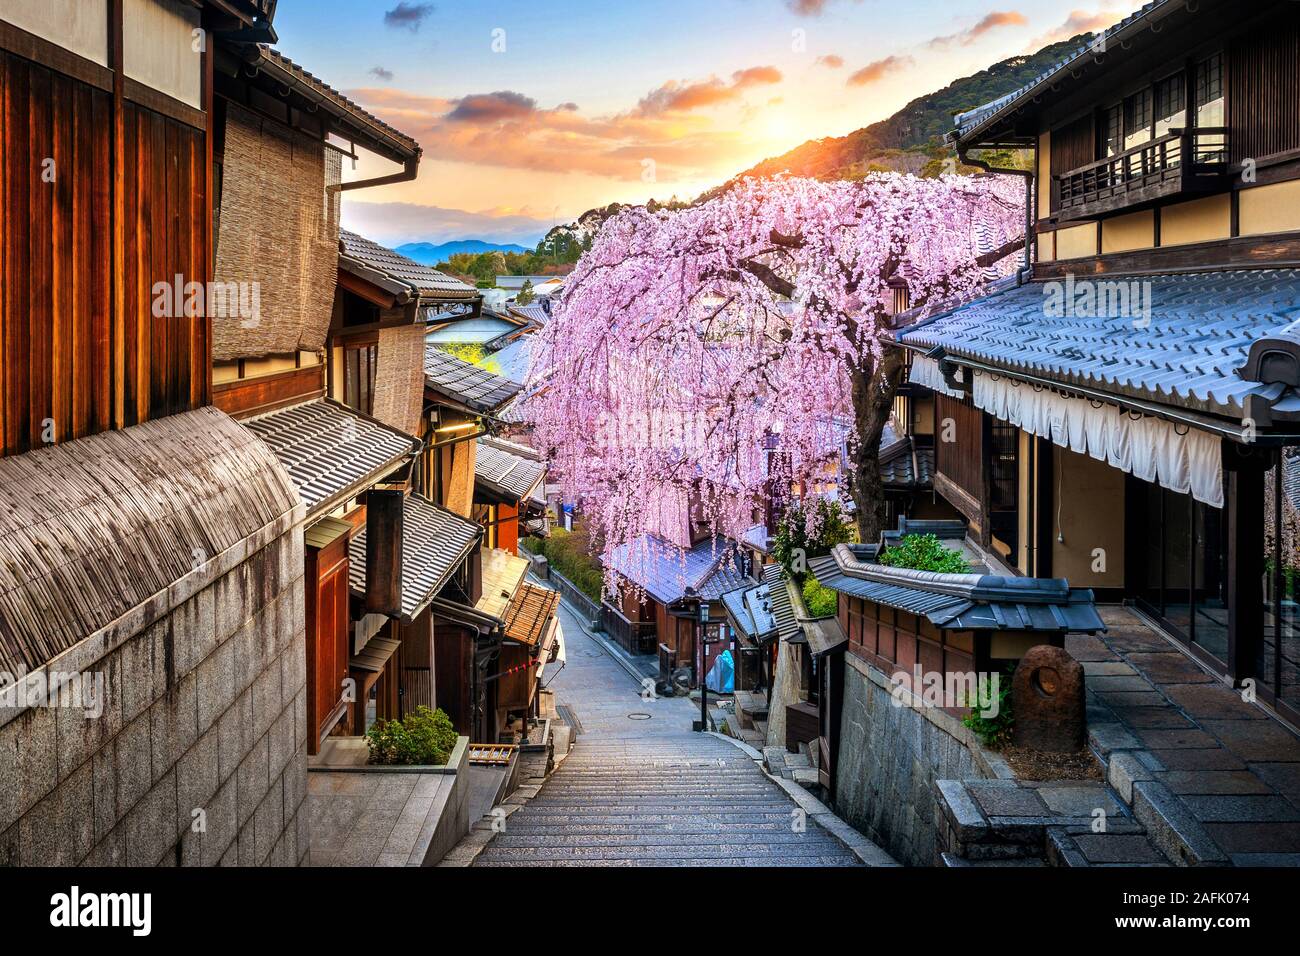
(889, 759)
(199, 754)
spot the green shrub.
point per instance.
(923, 552)
(821, 601)
(424, 737)
(567, 552)
(992, 731)
(793, 544)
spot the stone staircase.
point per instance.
(683, 799)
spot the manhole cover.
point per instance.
(638, 716)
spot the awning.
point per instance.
(1155, 450)
(503, 573)
(375, 655)
(531, 614)
(331, 452)
(787, 626)
(434, 543)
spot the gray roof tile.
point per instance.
(665, 571)
(1200, 332)
(427, 281)
(434, 542)
(330, 451)
(475, 388)
(506, 473)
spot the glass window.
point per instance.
(1111, 126)
(1137, 119)
(1210, 148)
(1171, 106)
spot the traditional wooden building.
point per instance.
(509, 492)
(151, 635)
(1121, 412)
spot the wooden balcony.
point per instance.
(1184, 161)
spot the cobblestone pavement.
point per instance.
(641, 789)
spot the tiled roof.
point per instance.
(960, 601)
(434, 542)
(750, 611)
(470, 332)
(970, 120)
(1199, 333)
(906, 466)
(506, 473)
(335, 102)
(665, 571)
(512, 361)
(534, 312)
(475, 388)
(787, 625)
(330, 451)
(428, 282)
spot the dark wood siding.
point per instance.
(60, 377)
(959, 448)
(1072, 145)
(1263, 89)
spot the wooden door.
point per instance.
(327, 636)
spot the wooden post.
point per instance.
(1244, 471)
(384, 550)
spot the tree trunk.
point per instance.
(873, 389)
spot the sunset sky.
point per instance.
(532, 112)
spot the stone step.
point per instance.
(816, 861)
(592, 817)
(517, 826)
(720, 852)
(771, 839)
(1066, 849)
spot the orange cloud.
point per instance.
(679, 97)
(509, 129)
(830, 60)
(991, 22)
(877, 70)
(1086, 21)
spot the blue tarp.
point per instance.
(722, 676)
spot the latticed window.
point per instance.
(359, 364)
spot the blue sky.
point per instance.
(532, 112)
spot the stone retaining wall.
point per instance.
(198, 756)
(889, 759)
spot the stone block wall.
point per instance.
(889, 759)
(199, 755)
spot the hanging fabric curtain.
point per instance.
(1188, 462)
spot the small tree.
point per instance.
(803, 535)
(525, 295)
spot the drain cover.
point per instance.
(638, 716)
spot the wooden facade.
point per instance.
(107, 206)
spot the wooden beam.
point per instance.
(118, 167)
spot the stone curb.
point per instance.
(865, 850)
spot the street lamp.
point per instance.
(700, 625)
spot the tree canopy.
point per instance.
(690, 343)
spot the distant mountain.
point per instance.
(429, 254)
(912, 139)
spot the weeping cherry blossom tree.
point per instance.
(689, 343)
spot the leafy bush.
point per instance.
(425, 737)
(568, 553)
(923, 552)
(820, 600)
(992, 731)
(797, 538)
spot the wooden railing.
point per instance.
(633, 636)
(588, 609)
(1182, 160)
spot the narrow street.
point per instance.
(640, 788)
